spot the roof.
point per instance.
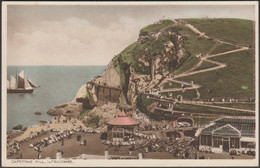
(226, 130)
(246, 127)
(123, 120)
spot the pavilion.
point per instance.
(122, 128)
(227, 134)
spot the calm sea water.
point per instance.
(58, 84)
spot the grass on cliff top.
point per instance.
(223, 48)
(210, 110)
(235, 30)
(194, 45)
(236, 80)
(155, 27)
(186, 64)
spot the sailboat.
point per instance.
(20, 84)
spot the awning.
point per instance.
(247, 139)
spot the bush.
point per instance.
(92, 121)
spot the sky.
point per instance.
(91, 34)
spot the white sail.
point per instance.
(21, 74)
(8, 84)
(13, 84)
(21, 79)
(31, 83)
(27, 85)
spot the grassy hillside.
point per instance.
(155, 27)
(210, 110)
(194, 45)
(236, 30)
(223, 48)
(205, 65)
(234, 81)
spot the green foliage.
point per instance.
(90, 97)
(173, 85)
(227, 82)
(92, 121)
(237, 105)
(195, 45)
(236, 30)
(183, 30)
(223, 48)
(203, 120)
(121, 63)
(142, 103)
(155, 27)
(187, 94)
(205, 65)
(186, 64)
(210, 110)
(84, 113)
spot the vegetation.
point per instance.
(223, 48)
(155, 27)
(238, 105)
(195, 45)
(90, 97)
(92, 121)
(186, 65)
(142, 103)
(228, 82)
(169, 85)
(84, 113)
(187, 94)
(200, 121)
(235, 30)
(210, 110)
(205, 65)
(184, 30)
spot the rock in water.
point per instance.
(38, 113)
(18, 127)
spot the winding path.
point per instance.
(193, 71)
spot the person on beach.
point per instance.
(62, 142)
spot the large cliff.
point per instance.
(138, 68)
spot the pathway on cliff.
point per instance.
(193, 71)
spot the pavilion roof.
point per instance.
(123, 120)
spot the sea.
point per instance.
(58, 84)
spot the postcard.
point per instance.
(119, 84)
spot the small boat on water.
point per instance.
(20, 84)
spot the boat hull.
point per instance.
(20, 91)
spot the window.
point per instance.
(217, 141)
(205, 140)
(234, 142)
(247, 145)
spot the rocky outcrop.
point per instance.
(160, 65)
(106, 88)
(72, 109)
(105, 113)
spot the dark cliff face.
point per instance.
(107, 94)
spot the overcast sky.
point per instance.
(90, 35)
